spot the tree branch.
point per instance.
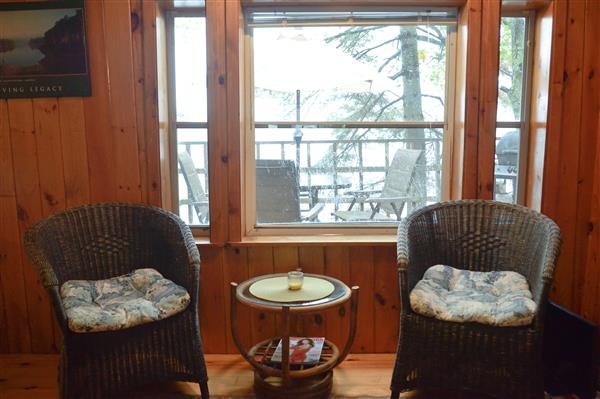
(434, 97)
(352, 30)
(428, 40)
(388, 60)
(366, 51)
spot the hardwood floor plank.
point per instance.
(360, 376)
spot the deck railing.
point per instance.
(336, 172)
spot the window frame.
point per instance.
(174, 125)
(249, 227)
(523, 124)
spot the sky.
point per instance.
(31, 23)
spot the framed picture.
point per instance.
(43, 50)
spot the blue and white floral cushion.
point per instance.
(120, 302)
(500, 298)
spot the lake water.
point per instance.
(21, 56)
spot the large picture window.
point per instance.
(349, 115)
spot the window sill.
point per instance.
(320, 240)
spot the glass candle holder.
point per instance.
(295, 280)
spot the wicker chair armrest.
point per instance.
(39, 259)
(543, 274)
(404, 292)
(47, 275)
(402, 246)
(186, 270)
(59, 310)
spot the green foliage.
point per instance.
(512, 58)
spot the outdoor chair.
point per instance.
(475, 236)
(394, 195)
(79, 253)
(196, 194)
(278, 193)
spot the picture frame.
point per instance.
(43, 51)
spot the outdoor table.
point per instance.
(313, 190)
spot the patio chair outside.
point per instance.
(197, 195)
(278, 193)
(392, 198)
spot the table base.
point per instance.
(315, 387)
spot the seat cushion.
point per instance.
(499, 298)
(121, 302)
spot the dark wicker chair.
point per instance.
(479, 235)
(101, 241)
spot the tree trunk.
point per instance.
(517, 40)
(413, 110)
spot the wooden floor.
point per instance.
(360, 376)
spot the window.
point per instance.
(349, 115)
(513, 108)
(188, 115)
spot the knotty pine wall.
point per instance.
(57, 153)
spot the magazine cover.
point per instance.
(303, 350)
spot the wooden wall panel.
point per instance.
(387, 300)
(591, 287)
(102, 174)
(137, 63)
(260, 262)
(234, 32)
(362, 274)
(488, 98)
(149, 82)
(17, 331)
(337, 260)
(213, 317)
(590, 108)
(312, 260)
(3, 318)
(50, 160)
(122, 109)
(559, 199)
(471, 15)
(218, 156)
(235, 270)
(7, 183)
(26, 153)
(74, 152)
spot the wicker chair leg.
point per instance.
(204, 394)
(395, 395)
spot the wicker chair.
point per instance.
(481, 236)
(101, 241)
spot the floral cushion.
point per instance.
(120, 302)
(499, 298)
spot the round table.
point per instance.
(277, 380)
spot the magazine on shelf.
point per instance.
(303, 350)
